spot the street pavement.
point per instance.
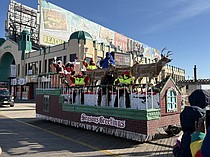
(21, 134)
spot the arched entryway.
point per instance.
(5, 61)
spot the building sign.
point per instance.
(111, 121)
(21, 81)
(57, 24)
(7, 47)
(120, 41)
(54, 20)
(13, 70)
(30, 79)
(18, 81)
(13, 82)
(105, 35)
(122, 59)
(45, 79)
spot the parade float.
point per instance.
(153, 106)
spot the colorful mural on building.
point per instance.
(57, 24)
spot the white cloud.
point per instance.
(194, 8)
(179, 12)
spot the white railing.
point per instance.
(103, 95)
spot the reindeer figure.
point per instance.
(150, 70)
(97, 75)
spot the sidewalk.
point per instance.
(24, 135)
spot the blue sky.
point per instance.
(182, 26)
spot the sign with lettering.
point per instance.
(18, 81)
(111, 121)
(13, 70)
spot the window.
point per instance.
(40, 66)
(18, 69)
(44, 50)
(50, 61)
(94, 43)
(26, 68)
(32, 68)
(109, 49)
(45, 66)
(64, 59)
(171, 100)
(72, 57)
(101, 46)
(35, 68)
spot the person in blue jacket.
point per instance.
(198, 100)
(107, 61)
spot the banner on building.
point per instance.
(13, 70)
(57, 25)
(18, 81)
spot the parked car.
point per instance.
(6, 98)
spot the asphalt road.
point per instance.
(21, 134)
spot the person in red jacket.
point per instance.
(60, 69)
(69, 67)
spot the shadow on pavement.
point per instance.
(30, 135)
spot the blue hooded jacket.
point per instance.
(107, 61)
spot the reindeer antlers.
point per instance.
(165, 48)
(168, 53)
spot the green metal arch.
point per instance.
(81, 35)
(6, 60)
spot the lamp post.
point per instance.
(85, 52)
(85, 55)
